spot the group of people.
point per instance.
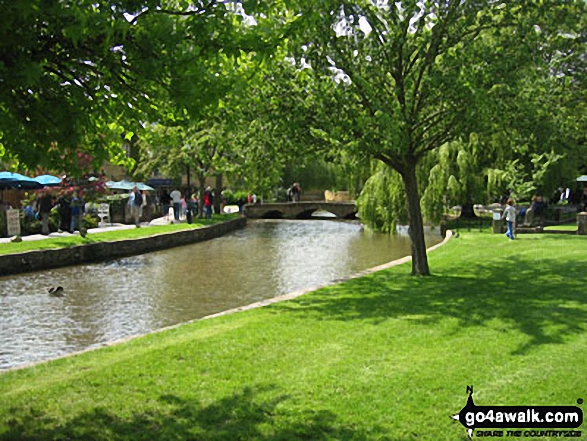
(187, 206)
(139, 204)
(70, 208)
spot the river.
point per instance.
(108, 301)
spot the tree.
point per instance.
(414, 75)
(192, 147)
(76, 75)
(211, 138)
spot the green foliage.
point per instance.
(77, 76)
(338, 173)
(382, 203)
(34, 226)
(232, 197)
(528, 179)
(91, 221)
(408, 77)
(474, 172)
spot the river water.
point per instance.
(107, 301)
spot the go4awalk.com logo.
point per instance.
(520, 421)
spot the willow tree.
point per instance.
(413, 75)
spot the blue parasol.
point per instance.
(127, 185)
(48, 180)
(16, 180)
(6, 179)
(142, 187)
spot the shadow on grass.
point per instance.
(242, 416)
(544, 299)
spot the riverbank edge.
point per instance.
(39, 260)
(255, 305)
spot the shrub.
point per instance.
(232, 197)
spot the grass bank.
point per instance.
(386, 356)
(571, 226)
(108, 236)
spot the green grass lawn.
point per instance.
(108, 236)
(387, 356)
(571, 226)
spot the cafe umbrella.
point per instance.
(48, 180)
(9, 180)
(127, 185)
(16, 180)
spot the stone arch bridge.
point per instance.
(300, 210)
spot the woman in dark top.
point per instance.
(166, 202)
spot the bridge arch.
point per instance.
(273, 214)
(301, 210)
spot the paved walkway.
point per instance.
(111, 227)
(107, 227)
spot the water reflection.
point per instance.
(108, 301)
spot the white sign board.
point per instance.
(104, 209)
(496, 215)
(13, 222)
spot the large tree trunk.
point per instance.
(217, 195)
(419, 257)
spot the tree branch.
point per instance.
(172, 12)
(391, 160)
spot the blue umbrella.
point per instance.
(121, 185)
(127, 185)
(16, 180)
(142, 187)
(48, 180)
(7, 178)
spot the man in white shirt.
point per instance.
(510, 217)
(176, 198)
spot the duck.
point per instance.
(56, 292)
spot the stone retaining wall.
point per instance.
(95, 252)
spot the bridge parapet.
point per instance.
(300, 210)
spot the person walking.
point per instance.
(176, 198)
(509, 215)
(184, 206)
(241, 205)
(208, 202)
(296, 191)
(64, 203)
(78, 208)
(222, 202)
(135, 202)
(147, 206)
(45, 204)
(166, 202)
